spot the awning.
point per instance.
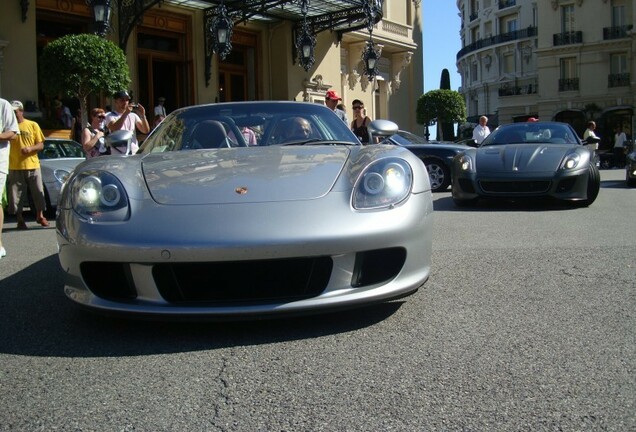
(340, 16)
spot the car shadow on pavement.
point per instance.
(614, 184)
(38, 320)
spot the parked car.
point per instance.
(57, 159)
(630, 169)
(436, 155)
(528, 160)
(199, 224)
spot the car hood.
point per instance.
(521, 157)
(243, 175)
(67, 164)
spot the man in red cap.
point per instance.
(331, 100)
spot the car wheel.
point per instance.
(593, 187)
(631, 182)
(438, 174)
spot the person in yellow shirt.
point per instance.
(24, 168)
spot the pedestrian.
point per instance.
(63, 114)
(589, 132)
(8, 130)
(360, 123)
(76, 127)
(619, 147)
(24, 169)
(160, 109)
(481, 131)
(331, 100)
(124, 117)
(93, 135)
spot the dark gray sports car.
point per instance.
(304, 219)
(528, 160)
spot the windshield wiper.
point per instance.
(316, 141)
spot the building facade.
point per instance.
(542, 58)
(167, 45)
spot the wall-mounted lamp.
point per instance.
(221, 29)
(306, 41)
(101, 13)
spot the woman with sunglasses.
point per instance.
(360, 121)
(93, 135)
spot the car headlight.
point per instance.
(61, 175)
(465, 163)
(382, 184)
(571, 161)
(98, 196)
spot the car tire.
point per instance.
(631, 182)
(593, 187)
(438, 174)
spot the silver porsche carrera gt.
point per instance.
(246, 209)
(528, 160)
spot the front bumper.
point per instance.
(179, 261)
(562, 185)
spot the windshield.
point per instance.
(248, 124)
(532, 133)
(59, 148)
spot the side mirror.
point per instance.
(119, 140)
(381, 128)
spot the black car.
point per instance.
(436, 155)
(528, 160)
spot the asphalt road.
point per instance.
(528, 323)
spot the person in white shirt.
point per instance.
(122, 117)
(619, 147)
(8, 130)
(160, 110)
(481, 131)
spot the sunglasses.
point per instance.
(358, 107)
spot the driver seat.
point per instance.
(209, 134)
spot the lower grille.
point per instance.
(266, 281)
(522, 187)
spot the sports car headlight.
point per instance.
(465, 163)
(99, 197)
(571, 161)
(382, 184)
(61, 175)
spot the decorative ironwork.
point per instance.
(305, 41)
(372, 9)
(221, 32)
(130, 14)
(371, 56)
(24, 6)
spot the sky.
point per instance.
(441, 44)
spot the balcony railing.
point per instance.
(568, 84)
(568, 38)
(617, 32)
(618, 80)
(517, 90)
(473, 16)
(506, 3)
(494, 40)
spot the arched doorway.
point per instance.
(576, 118)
